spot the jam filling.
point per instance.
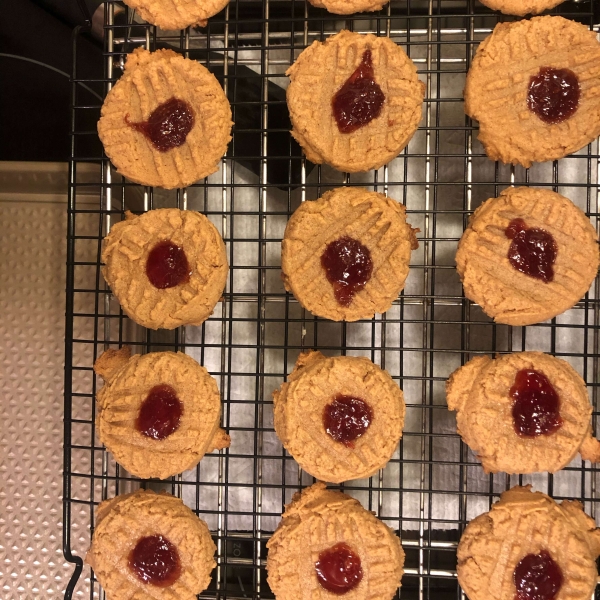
(167, 266)
(168, 125)
(338, 569)
(532, 250)
(553, 94)
(537, 577)
(155, 560)
(536, 407)
(348, 267)
(160, 413)
(346, 419)
(360, 99)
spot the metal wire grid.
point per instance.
(433, 485)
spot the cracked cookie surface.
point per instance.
(177, 14)
(524, 523)
(149, 80)
(521, 7)
(124, 520)
(125, 255)
(497, 88)
(313, 385)
(480, 392)
(377, 222)
(321, 70)
(128, 382)
(508, 295)
(349, 7)
(317, 519)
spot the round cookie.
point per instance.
(318, 75)
(499, 90)
(486, 256)
(153, 431)
(151, 82)
(188, 289)
(349, 7)
(317, 521)
(521, 7)
(177, 14)
(331, 437)
(378, 223)
(175, 541)
(524, 529)
(494, 404)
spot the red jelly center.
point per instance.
(346, 419)
(168, 125)
(537, 577)
(532, 250)
(536, 404)
(348, 267)
(160, 413)
(155, 560)
(360, 99)
(338, 569)
(167, 266)
(553, 94)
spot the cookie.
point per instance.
(354, 100)
(158, 413)
(523, 412)
(527, 256)
(340, 418)
(166, 122)
(534, 88)
(345, 256)
(177, 14)
(167, 267)
(328, 545)
(521, 7)
(150, 546)
(529, 542)
(349, 7)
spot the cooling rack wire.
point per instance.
(433, 485)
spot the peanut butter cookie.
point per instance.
(327, 545)
(533, 87)
(167, 267)
(150, 546)
(158, 413)
(523, 412)
(341, 418)
(521, 7)
(166, 122)
(349, 7)
(527, 256)
(354, 100)
(529, 543)
(345, 256)
(177, 14)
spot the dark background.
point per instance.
(35, 99)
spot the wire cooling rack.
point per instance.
(433, 485)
